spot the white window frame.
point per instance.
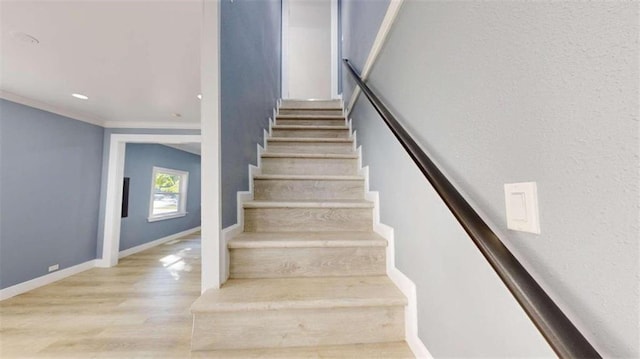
(184, 186)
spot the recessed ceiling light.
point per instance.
(80, 96)
(199, 96)
(25, 37)
(176, 114)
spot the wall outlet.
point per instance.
(54, 267)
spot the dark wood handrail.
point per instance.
(565, 339)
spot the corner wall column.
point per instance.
(210, 127)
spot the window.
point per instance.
(168, 194)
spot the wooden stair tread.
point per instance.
(300, 293)
(292, 108)
(306, 240)
(309, 204)
(310, 108)
(307, 275)
(310, 155)
(308, 177)
(390, 350)
(311, 117)
(308, 139)
(308, 127)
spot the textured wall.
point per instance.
(138, 166)
(464, 310)
(49, 187)
(508, 92)
(250, 86)
(360, 21)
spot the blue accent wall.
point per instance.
(50, 168)
(250, 86)
(138, 166)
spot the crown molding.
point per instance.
(154, 125)
(51, 108)
(9, 96)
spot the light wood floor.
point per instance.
(139, 309)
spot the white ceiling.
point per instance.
(137, 61)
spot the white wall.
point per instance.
(210, 147)
(308, 49)
(501, 92)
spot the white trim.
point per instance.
(233, 230)
(227, 233)
(334, 50)
(45, 279)
(157, 242)
(381, 37)
(284, 50)
(154, 125)
(115, 171)
(406, 286)
(210, 159)
(184, 190)
(164, 217)
(242, 197)
(51, 108)
(237, 228)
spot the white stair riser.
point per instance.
(310, 147)
(307, 189)
(310, 122)
(311, 133)
(311, 112)
(297, 327)
(307, 262)
(307, 219)
(310, 166)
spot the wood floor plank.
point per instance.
(394, 350)
(139, 309)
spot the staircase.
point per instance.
(308, 274)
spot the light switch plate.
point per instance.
(521, 200)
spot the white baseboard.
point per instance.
(227, 233)
(157, 242)
(67, 272)
(237, 228)
(242, 197)
(406, 286)
(45, 279)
